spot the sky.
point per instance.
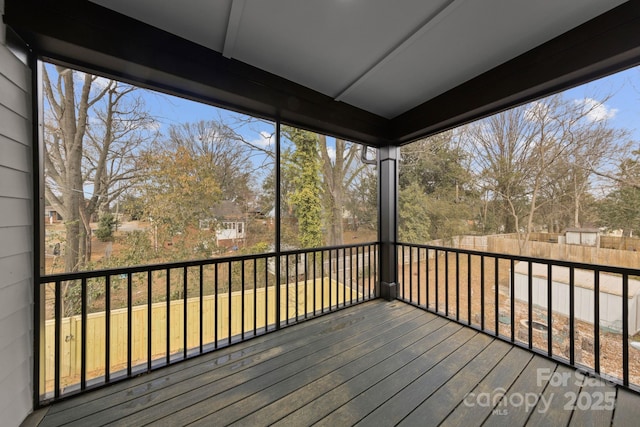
(623, 108)
(172, 110)
(175, 110)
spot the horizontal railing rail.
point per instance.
(583, 315)
(103, 326)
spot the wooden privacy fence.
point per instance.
(327, 293)
(478, 243)
(575, 253)
(545, 245)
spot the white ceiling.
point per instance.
(384, 56)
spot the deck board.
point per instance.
(525, 391)
(473, 410)
(435, 359)
(550, 410)
(437, 406)
(394, 409)
(591, 408)
(438, 345)
(323, 357)
(264, 346)
(626, 411)
(374, 350)
(378, 363)
(412, 341)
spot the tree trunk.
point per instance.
(336, 235)
(510, 224)
(332, 179)
(73, 194)
(576, 199)
(85, 242)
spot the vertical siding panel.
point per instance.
(16, 252)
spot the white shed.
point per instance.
(582, 236)
(610, 294)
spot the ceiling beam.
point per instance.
(441, 13)
(233, 26)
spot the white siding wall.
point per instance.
(16, 252)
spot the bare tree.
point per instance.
(93, 127)
(64, 141)
(120, 127)
(593, 143)
(502, 148)
(521, 153)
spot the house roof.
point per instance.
(373, 71)
(226, 209)
(581, 230)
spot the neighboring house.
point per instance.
(230, 224)
(51, 215)
(230, 233)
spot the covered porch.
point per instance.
(384, 332)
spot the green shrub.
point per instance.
(105, 227)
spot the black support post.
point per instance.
(387, 184)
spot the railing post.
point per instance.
(388, 203)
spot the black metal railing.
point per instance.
(583, 315)
(102, 326)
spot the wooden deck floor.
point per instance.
(379, 363)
